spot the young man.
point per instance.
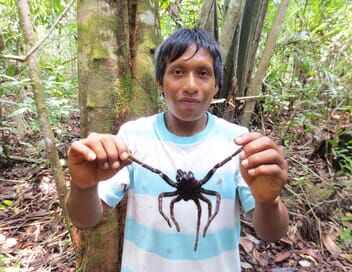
(187, 137)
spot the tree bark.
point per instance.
(256, 82)
(38, 91)
(206, 17)
(97, 62)
(239, 60)
(115, 39)
(101, 79)
(250, 20)
(232, 18)
(2, 43)
(146, 36)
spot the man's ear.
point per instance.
(160, 87)
(216, 89)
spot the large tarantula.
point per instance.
(188, 187)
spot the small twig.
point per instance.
(18, 158)
(25, 225)
(13, 180)
(222, 100)
(67, 61)
(316, 218)
(294, 193)
(309, 170)
(28, 218)
(247, 223)
(35, 48)
(56, 238)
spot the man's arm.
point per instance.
(84, 206)
(270, 220)
(91, 160)
(264, 169)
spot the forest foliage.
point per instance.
(306, 97)
(309, 76)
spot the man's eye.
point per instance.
(178, 72)
(203, 73)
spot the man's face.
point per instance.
(189, 85)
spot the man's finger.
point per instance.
(79, 149)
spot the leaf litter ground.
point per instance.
(33, 236)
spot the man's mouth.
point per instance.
(189, 101)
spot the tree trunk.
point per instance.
(39, 96)
(256, 82)
(233, 15)
(250, 18)
(240, 37)
(115, 39)
(97, 60)
(206, 17)
(2, 43)
(146, 36)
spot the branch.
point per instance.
(35, 48)
(22, 159)
(255, 83)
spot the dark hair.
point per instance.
(175, 45)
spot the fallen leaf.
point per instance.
(2, 238)
(245, 265)
(8, 245)
(313, 253)
(330, 245)
(10, 242)
(292, 231)
(280, 257)
(284, 269)
(309, 258)
(246, 244)
(253, 239)
(259, 257)
(305, 263)
(347, 257)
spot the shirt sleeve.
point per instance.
(113, 190)
(243, 192)
(245, 195)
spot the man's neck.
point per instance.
(185, 128)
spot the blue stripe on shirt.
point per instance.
(177, 245)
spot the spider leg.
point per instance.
(154, 170)
(196, 200)
(218, 200)
(206, 200)
(160, 199)
(218, 165)
(172, 203)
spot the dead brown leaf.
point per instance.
(330, 245)
(282, 256)
(246, 244)
(260, 258)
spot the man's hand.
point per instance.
(263, 167)
(95, 158)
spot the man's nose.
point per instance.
(191, 83)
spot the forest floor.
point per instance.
(33, 236)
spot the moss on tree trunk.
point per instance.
(115, 84)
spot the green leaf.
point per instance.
(347, 218)
(7, 202)
(11, 70)
(346, 236)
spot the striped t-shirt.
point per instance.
(150, 244)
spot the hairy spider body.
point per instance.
(189, 188)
